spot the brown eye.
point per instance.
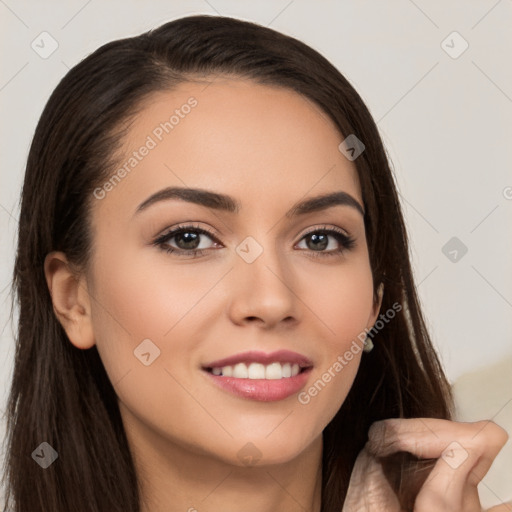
(187, 240)
(318, 241)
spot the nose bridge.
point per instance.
(264, 287)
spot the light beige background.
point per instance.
(445, 119)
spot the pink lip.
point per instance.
(254, 356)
(262, 390)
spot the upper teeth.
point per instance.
(258, 371)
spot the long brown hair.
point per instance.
(62, 395)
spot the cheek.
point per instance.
(344, 308)
(146, 298)
(133, 302)
(342, 300)
(144, 318)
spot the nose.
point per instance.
(263, 290)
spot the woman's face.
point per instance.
(259, 285)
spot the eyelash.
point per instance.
(346, 242)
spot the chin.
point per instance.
(273, 449)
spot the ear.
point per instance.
(377, 303)
(71, 301)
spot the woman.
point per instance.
(210, 245)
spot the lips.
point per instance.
(280, 356)
(260, 376)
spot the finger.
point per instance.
(490, 439)
(477, 442)
(446, 489)
(504, 507)
(461, 465)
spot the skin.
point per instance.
(269, 148)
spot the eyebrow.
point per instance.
(227, 203)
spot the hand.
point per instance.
(460, 454)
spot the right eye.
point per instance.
(189, 237)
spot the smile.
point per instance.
(272, 371)
(259, 376)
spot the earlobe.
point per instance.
(70, 298)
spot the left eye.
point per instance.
(320, 240)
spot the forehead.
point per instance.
(252, 141)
